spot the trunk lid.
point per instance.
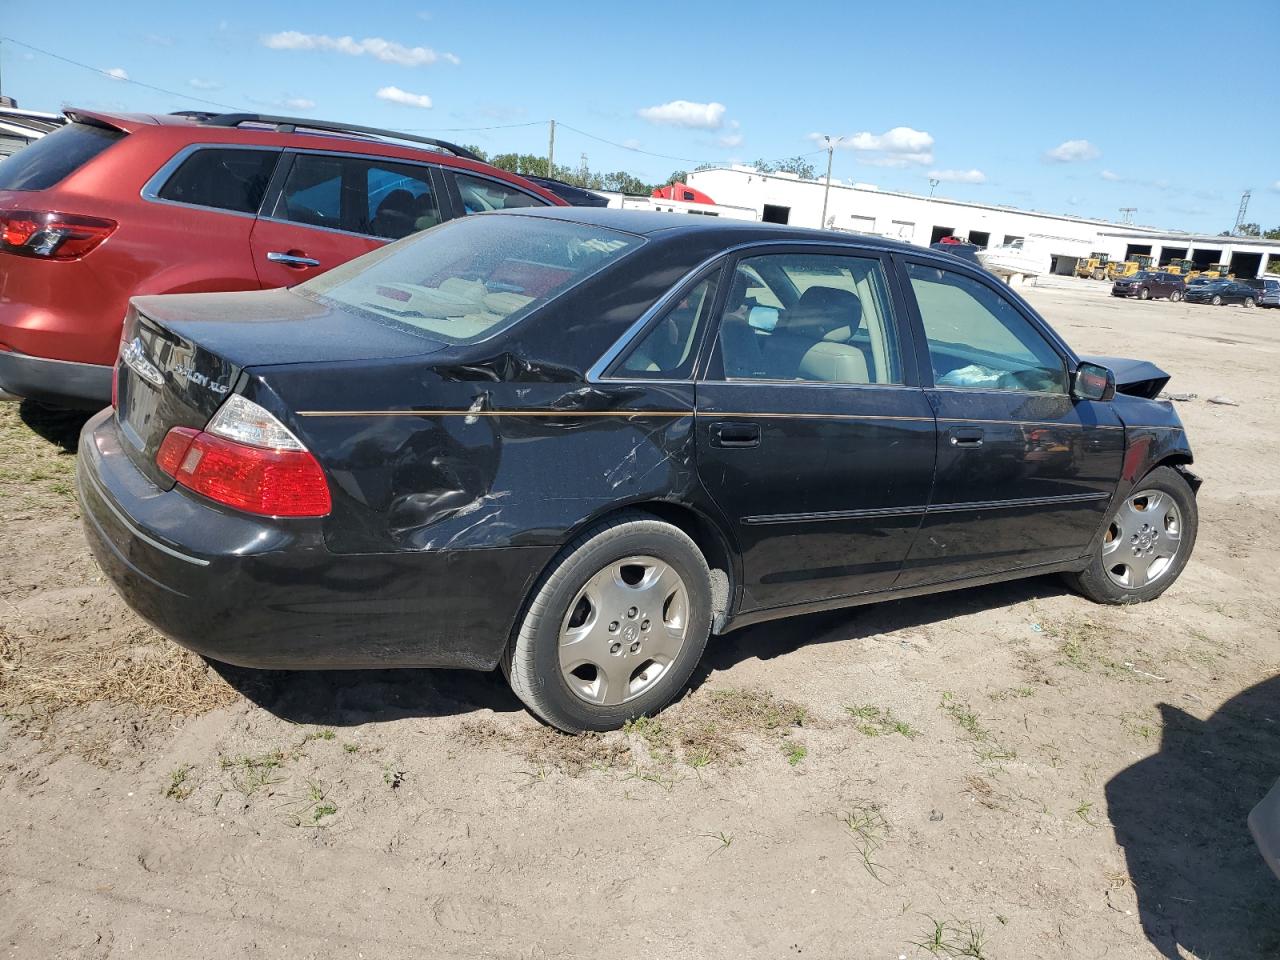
(182, 355)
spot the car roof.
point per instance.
(654, 223)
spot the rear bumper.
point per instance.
(261, 592)
(1264, 824)
(57, 382)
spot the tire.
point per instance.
(1248, 302)
(1102, 583)
(1144, 294)
(1175, 296)
(1216, 301)
(1099, 275)
(590, 582)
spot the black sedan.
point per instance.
(1218, 292)
(574, 443)
(1150, 285)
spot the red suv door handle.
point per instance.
(295, 260)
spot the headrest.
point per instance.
(821, 310)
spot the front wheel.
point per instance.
(1146, 542)
(614, 628)
(1144, 294)
(1175, 296)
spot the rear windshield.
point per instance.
(469, 278)
(48, 160)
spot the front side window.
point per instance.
(224, 178)
(669, 349)
(978, 339)
(480, 194)
(473, 276)
(814, 318)
(371, 197)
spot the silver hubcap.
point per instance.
(1142, 540)
(624, 630)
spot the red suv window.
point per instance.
(227, 178)
(54, 157)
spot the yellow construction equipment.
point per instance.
(1093, 268)
(1123, 268)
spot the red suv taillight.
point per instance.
(276, 476)
(51, 236)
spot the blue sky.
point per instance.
(1042, 107)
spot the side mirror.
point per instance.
(1093, 382)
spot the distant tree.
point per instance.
(1272, 234)
(1250, 230)
(479, 152)
(705, 166)
(677, 176)
(622, 182)
(799, 166)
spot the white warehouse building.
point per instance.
(1058, 239)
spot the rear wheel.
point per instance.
(1146, 542)
(1175, 296)
(615, 628)
(1248, 301)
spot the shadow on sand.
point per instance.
(1181, 815)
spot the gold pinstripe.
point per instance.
(675, 414)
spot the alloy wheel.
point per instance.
(1142, 540)
(624, 630)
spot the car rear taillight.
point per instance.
(51, 236)
(248, 460)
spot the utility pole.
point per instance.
(933, 185)
(551, 152)
(1126, 214)
(1244, 208)
(831, 150)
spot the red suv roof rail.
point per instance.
(292, 124)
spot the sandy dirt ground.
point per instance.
(1006, 772)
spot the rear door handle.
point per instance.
(965, 436)
(292, 259)
(735, 434)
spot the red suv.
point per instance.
(115, 206)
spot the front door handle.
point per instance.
(726, 434)
(292, 259)
(965, 436)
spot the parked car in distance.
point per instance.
(958, 248)
(116, 205)
(1218, 292)
(561, 441)
(1150, 285)
(574, 196)
(1269, 295)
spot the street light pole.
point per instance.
(831, 149)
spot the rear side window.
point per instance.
(371, 197)
(52, 158)
(225, 178)
(479, 194)
(668, 351)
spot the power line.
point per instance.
(500, 126)
(112, 76)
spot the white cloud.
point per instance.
(117, 73)
(731, 140)
(896, 147)
(958, 176)
(632, 143)
(297, 103)
(1113, 177)
(686, 113)
(404, 97)
(1276, 186)
(158, 40)
(199, 84)
(1071, 151)
(388, 51)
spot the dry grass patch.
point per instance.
(150, 673)
(707, 727)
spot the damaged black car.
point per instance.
(574, 444)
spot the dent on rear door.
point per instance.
(498, 464)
